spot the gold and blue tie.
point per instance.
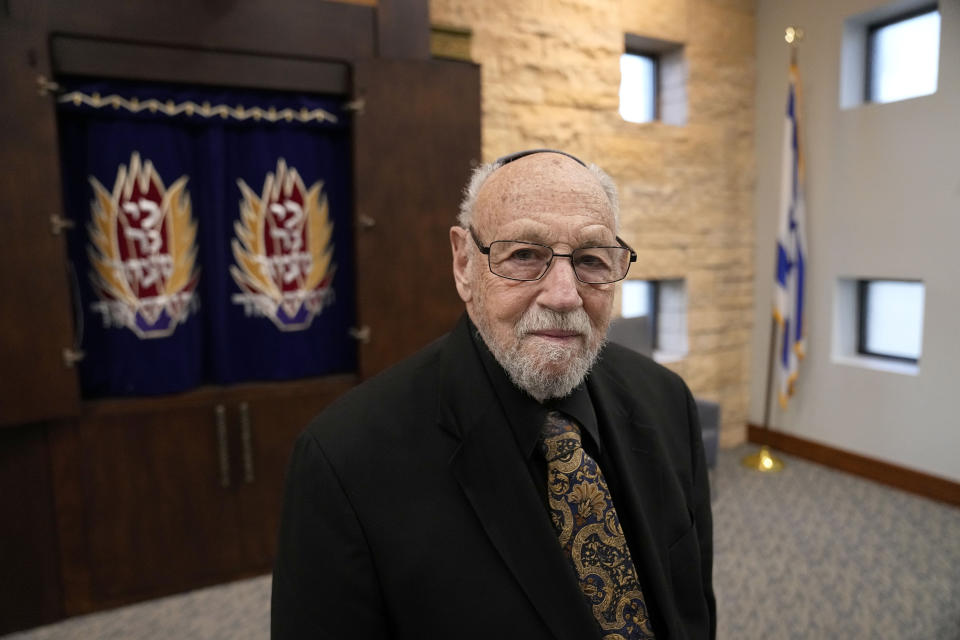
(590, 533)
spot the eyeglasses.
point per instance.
(526, 261)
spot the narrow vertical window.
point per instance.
(638, 87)
(639, 298)
(654, 318)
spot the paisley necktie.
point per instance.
(590, 534)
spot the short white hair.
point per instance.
(482, 172)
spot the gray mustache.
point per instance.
(539, 319)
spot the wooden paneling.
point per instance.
(35, 321)
(272, 424)
(123, 498)
(153, 517)
(66, 473)
(430, 124)
(141, 504)
(414, 145)
(111, 59)
(403, 29)
(208, 396)
(923, 484)
(30, 592)
(313, 29)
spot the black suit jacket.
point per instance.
(410, 512)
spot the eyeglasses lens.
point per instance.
(525, 261)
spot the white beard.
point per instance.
(542, 369)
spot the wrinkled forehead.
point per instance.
(545, 186)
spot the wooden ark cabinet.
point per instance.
(106, 502)
(160, 496)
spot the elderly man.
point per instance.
(518, 478)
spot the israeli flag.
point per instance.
(788, 295)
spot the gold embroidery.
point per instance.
(158, 232)
(284, 250)
(205, 110)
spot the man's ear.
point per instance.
(460, 246)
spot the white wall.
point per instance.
(883, 200)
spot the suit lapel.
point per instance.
(496, 481)
(637, 453)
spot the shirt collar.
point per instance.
(525, 415)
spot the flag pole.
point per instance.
(771, 354)
(764, 461)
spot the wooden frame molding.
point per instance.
(923, 484)
(72, 55)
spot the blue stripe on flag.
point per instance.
(783, 265)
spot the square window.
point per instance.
(890, 319)
(902, 56)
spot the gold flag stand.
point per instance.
(763, 461)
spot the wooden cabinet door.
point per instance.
(415, 142)
(267, 427)
(35, 311)
(146, 503)
(30, 592)
(159, 496)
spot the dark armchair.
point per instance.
(636, 334)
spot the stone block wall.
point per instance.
(550, 78)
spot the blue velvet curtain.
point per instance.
(213, 238)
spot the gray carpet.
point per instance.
(814, 553)
(808, 553)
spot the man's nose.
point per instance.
(560, 286)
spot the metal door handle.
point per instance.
(246, 437)
(220, 418)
